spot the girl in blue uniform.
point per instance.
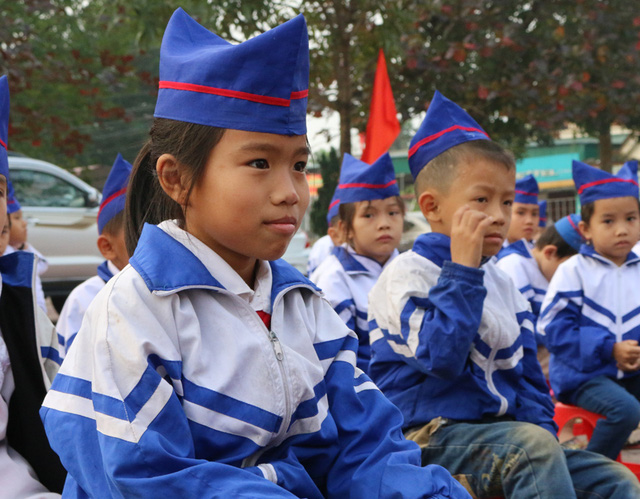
(207, 367)
(371, 217)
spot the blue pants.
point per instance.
(522, 460)
(617, 400)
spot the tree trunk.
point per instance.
(606, 149)
(343, 77)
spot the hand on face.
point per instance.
(468, 231)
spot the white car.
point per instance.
(414, 225)
(297, 253)
(61, 210)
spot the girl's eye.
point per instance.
(300, 166)
(482, 200)
(393, 213)
(260, 164)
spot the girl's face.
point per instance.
(18, 233)
(251, 198)
(376, 228)
(524, 222)
(614, 227)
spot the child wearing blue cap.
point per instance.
(452, 341)
(532, 269)
(525, 213)
(18, 242)
(371, 218)
(208, 367)
(590, 315)
(112, 246)
(29, 361)
(323, 247)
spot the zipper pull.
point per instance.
(277, 347)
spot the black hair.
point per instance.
(441, 170)
(587, 210)
(115, 225)
(551, 236)
(191, 144)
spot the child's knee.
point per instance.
(536, 442)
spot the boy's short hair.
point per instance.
(587, 209)
(440, 172)
(551, 236)
(115, 225)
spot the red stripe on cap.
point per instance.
(606, 181)
(111, 198)
(261, 99)
(337, 201)
(367, 186)
(575, 227)
(2, 142)
(435, 136)
(526, 193)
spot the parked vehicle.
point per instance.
(297, 253)
(61, 210)
(414, 225)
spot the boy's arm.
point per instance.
(534, 401)
(372, 458)
(584, 348)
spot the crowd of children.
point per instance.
(198, 364)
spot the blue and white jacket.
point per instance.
(590, 305)
(175, 387)
(346, 278)
(519, 264)
(453, 341)
(78, 301)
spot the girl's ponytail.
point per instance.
(191, 144)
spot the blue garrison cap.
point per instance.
(360, 181)
(114, 192)
(445, 125)
(4, 126)
(543, 213)
(260, 85)
(334, 206)
(593, 184)
(568, 229)
(526, 190)
(12, 202)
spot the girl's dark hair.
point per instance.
(347, 212)
(586, 212)
(550, 235)
(191, 145)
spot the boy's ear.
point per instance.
(105, 247)
(550, 251)
(429, 206)
(171, 178)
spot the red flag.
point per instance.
(383, 126)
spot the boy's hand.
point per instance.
(468, 229)
(627, 355)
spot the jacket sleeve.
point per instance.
(534, 403)
(125, 431)
(584, 347)
(373, 459)
(431, 329)
(334, 286)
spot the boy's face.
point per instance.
(524, 222)
(18, 233)
(484, 186)
(614, 227)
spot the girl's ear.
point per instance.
(171, 177)
(428, 202)
(585, 230)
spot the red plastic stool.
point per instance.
(585, 424)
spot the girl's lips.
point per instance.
(384, 238)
